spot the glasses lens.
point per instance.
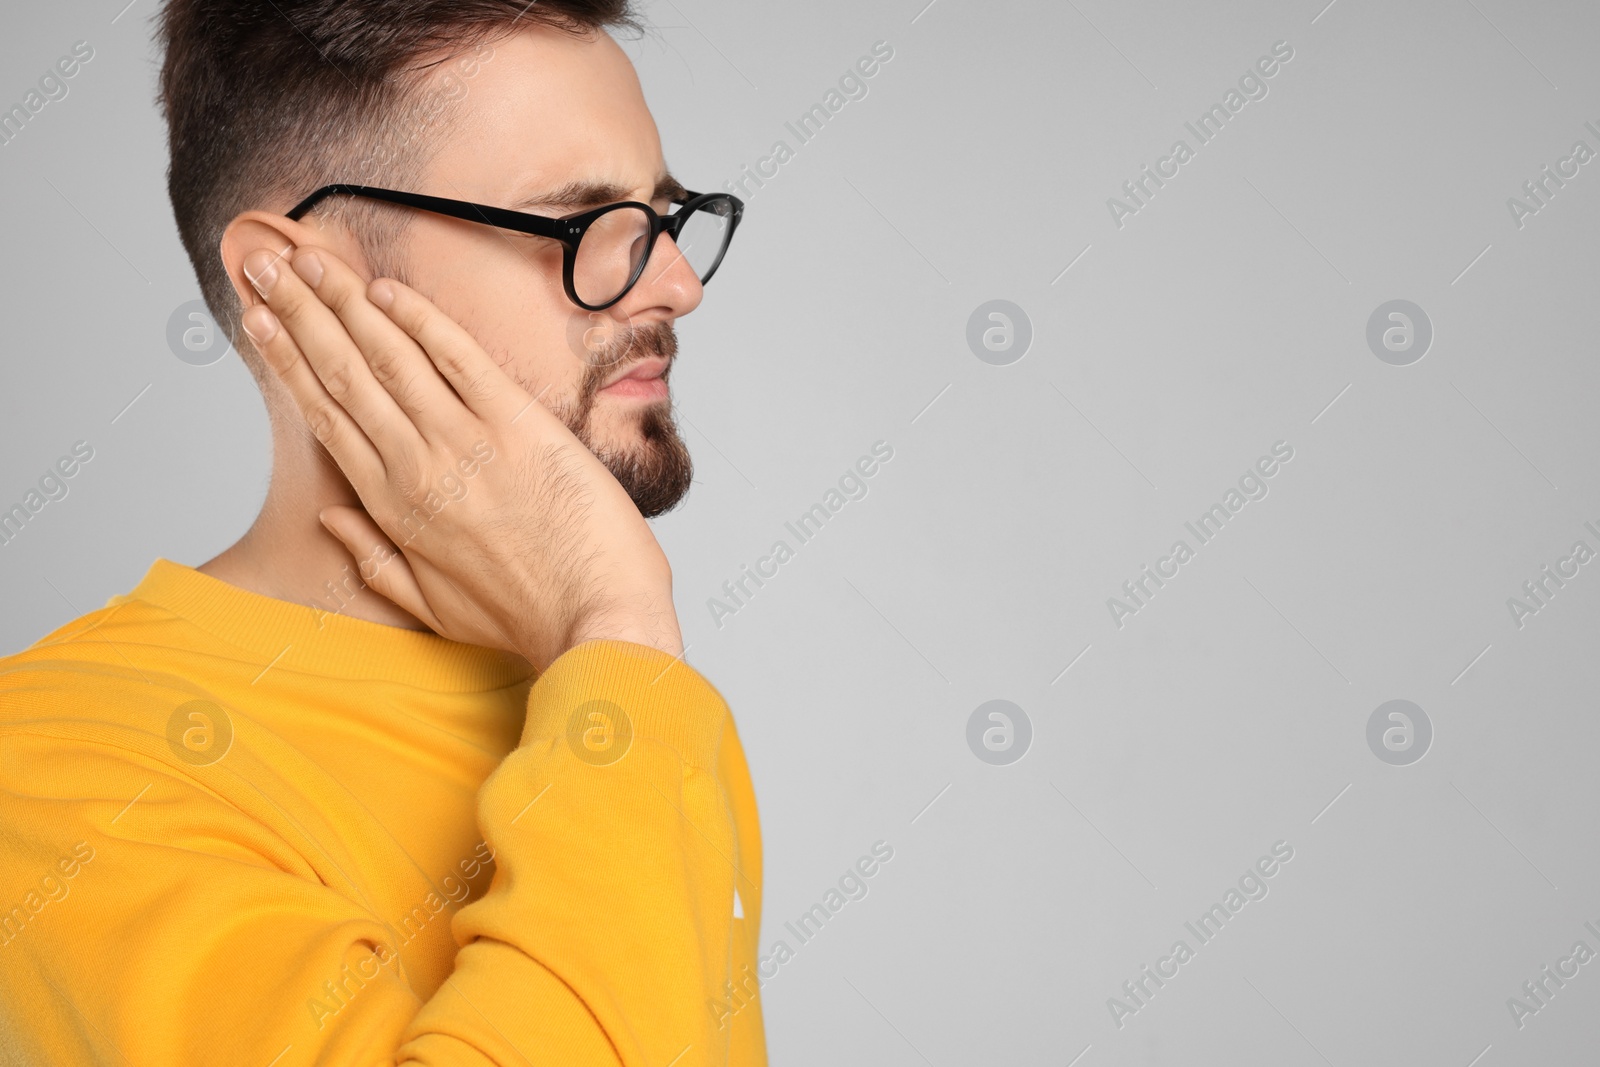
(609, 253)
(704, 235)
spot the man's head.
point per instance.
(501, 102)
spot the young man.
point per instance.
(414, 772)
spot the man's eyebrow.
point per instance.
(581, 194)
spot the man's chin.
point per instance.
(648, 458)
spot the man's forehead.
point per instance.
(549, 122)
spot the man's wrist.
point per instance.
(654, 631)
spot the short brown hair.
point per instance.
(266, 100)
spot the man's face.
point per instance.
(548, 114)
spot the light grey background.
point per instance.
(1228, 314)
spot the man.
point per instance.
(414, 772)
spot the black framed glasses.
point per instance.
(605, 249)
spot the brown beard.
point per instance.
(657, 473)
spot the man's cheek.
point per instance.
(593, 337)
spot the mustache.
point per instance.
(623, 345)
(604, 348)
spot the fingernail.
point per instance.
(309, 266)
(260, 324)
(381, 293)
(261, 267)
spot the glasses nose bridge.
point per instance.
(672, 224)
(656, 267)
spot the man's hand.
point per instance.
(543, 551)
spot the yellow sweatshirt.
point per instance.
(236, 830)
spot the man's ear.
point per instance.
(262, 229)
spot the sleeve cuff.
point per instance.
(599, 694)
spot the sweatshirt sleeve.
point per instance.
(151, 915)
(607, 930)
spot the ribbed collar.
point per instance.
(298, 638)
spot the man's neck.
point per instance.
(287, 554)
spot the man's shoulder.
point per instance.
(108, 665)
